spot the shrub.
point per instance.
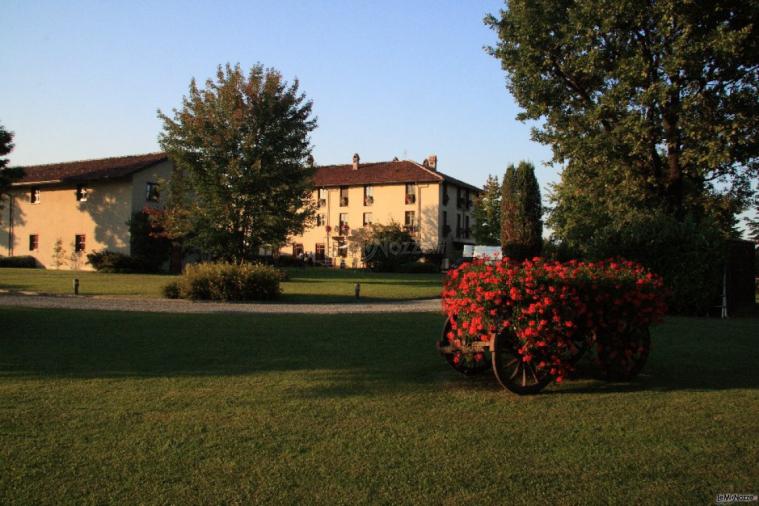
(24, 262)
(549, 306)
(171, 291)
(148, 241)
(227, 282)
(418, 268)
(111, 261)
(385, 247)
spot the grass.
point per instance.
(99, 407)
(311, 285)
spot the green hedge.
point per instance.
(226, 282)
(25, 262)
(110, 261)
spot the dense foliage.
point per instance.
(242, 178)
(26, 262)
(521, 213)
(551, 308)
(226, 282)
(385, 247)
(148, 242)
(112, 261)
(487, 214)
(659, 97)
(7, 174)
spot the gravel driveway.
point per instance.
(184, 306)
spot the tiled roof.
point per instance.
(88, 170)
(403, 171)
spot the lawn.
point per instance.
(305, 285)
(99, 407)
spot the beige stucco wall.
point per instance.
(160, 174)
(389, 206)
(101, 218)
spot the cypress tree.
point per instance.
(521, 211)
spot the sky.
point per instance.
(392, 78)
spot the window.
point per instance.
(466, 227)
(343, 196)
(468, 200)
(459, 198)
(322, 197)
(342, 247)
(81, 193)
(319, 252)
(321, 220)
(297, 250)
(458, 225)
(445, 194)
(152, 192)
(367, 219)
(35, 196)
(410, 193)
(34, 242)
(79, 243)
(446, 228)
(368, 195)
(410, 221)
(344, 223)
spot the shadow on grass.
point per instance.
(339, 355)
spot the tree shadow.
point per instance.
(338, 355)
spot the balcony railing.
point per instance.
(322, 202)
(368, 200)
(411, 229)
(410, 198)
(343, 229)
(343, 201)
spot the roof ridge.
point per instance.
(86, 160)
(437, 174)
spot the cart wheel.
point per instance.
(511, 372)
(625, 365)
(466, 365)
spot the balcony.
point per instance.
(410, 198)
(368, 200)
(411, 229)
(343, 229)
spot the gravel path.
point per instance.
(184, 306)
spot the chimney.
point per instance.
(356, 159)
(310, 161)
(432, 162)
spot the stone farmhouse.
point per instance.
(87, 204)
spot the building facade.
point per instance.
(434, 207)
(85, 206)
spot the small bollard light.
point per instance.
(358, 290)
(76, 286)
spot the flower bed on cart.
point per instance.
(553, 311)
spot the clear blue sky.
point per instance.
(392, 78)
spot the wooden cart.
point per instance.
(500, 353)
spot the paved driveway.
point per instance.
(184, 306)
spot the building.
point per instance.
(434, 207)
(87, 204)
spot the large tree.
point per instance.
(487, 213)
(521, 213)
(240, 146)
(653, 103)
(7, 174)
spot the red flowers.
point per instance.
(549, 307)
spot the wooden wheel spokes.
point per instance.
(513, 372)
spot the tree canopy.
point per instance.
(657, 100)
(7, 174)
(240, 146)
(521, 214)
(487, 213)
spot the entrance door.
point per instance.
(320, 250)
